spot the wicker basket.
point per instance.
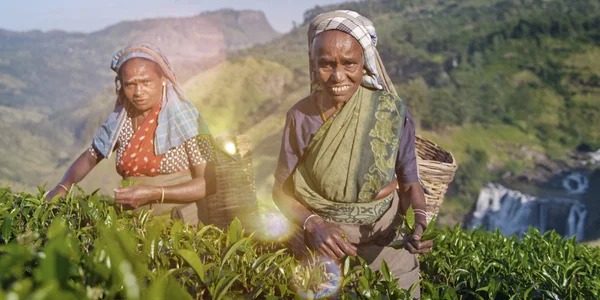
(436, 169)
(236, 190)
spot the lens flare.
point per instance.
(274, 227)
(321, 275)
(230, 147)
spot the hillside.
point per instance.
(56, 87)
(39, 68)
(505, 85)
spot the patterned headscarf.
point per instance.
(178, 119)
(363, 31)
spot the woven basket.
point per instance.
(436, 168)
(236, 190)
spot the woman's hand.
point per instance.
(135, 196)
(413, 243)
(328, 239)
(58, 190)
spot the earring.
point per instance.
(364, 71)
(164, 83)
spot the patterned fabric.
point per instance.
(119, 58)
(178, 119)
(139, 158)
(351, 158)
(194, 151)
(361, 29)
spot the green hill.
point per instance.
(56, 87)
(57, 70)
(505, 85)
(484, 79)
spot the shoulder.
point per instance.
(304, 107)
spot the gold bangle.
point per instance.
(63, 186)
(162, 195)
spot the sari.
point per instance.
(351, 158)
(353, 155)
(171, 123)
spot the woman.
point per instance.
(342, 148)
(159, 137)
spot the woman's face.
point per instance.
(142, 83)
(338, 62)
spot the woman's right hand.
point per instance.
(328, 239)
(58, 190)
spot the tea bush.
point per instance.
(82, 247)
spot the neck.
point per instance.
(329, 103)
(138, 113)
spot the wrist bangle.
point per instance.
(63, 186)
(306, 220)
(162, 195)
(421, 213)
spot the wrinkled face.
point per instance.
(141, 81)
(338, 61)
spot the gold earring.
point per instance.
(164, 83)
(364, 71)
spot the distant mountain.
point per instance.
(503, 84)
(49, 71)
(56, 87)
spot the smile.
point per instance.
(338, 89)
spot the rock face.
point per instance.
(512, 212)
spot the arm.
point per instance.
(75, 173)
(410, 191)
(200, 157)
(412, 194)
(189, 191)
(289, 206)
(327, 238)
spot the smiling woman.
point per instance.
(345, 149)
(159, 138)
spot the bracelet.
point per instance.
(63, 186)
(306, 220)
(421, 213)
(162, 195)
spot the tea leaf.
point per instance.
(410, 219)
(194, 261)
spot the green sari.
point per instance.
(351, 158)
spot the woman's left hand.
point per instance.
(134, 196)
(413, 243)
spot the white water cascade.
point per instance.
(512, 212)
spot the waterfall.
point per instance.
(512, 212)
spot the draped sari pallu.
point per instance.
(351, 158)
(139, 158)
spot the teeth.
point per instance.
(341, 89)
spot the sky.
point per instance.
(93, 15)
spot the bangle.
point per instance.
(63, 186)
(421, 213)
(306, 220)
(162, 195)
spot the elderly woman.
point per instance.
(345, 149)
(159, 137)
